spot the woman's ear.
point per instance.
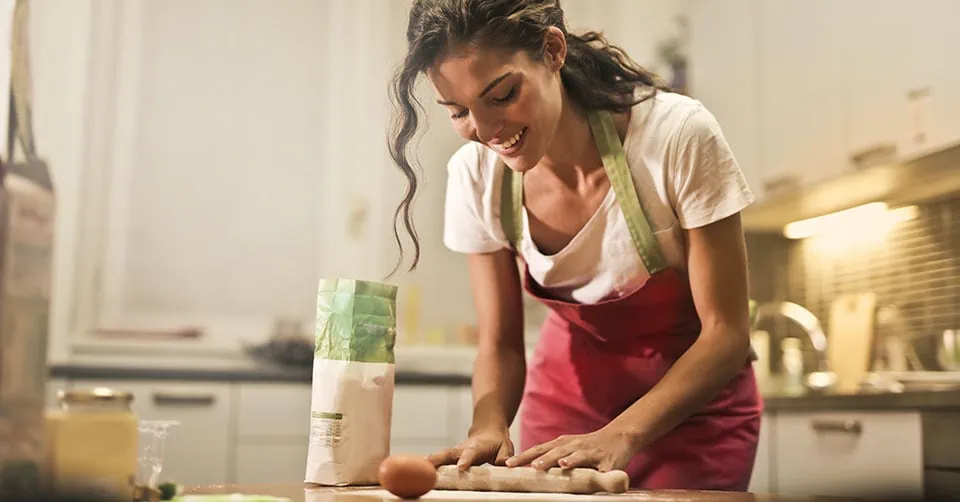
(555, 48)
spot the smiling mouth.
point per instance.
(512, 145)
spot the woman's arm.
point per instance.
(500, 366)
(717, 266)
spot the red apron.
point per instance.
(593, 361)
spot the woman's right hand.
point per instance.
(491, 446)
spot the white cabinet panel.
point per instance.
(265, 463)
(724, 75)
(198, 450)
(800, 105)
(761, 480)
(874, 76)
(272, 433)
(196, 215)
(422, 412)
(866, 454)
(932, 96)
(273, 410)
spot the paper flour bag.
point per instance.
(353, 378)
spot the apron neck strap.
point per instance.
(618, 172)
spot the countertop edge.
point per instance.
(249, 375)
(913, 400)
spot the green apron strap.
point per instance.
(618, 171)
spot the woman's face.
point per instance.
(504, 99)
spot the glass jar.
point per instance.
(92, 442)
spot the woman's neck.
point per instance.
(572, 155)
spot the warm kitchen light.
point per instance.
(873, 218)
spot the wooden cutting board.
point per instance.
(850, 335)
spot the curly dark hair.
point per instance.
(596, 74)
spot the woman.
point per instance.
(621, 199)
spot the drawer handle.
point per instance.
(161, 399)
(878, 154)
(844, 426)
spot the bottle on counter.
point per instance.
(760, 342)
(92, 442)
(792, 365)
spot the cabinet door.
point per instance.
(197, 450)
(875, 68)
(273, 462)
(866, 454)
(423, 418)
(800, 105)
(273, 432)
(932, 96)
(760, 481)
(273, 410)
(724, 76)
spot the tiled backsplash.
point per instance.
(915, 267)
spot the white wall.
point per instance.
(210, 155)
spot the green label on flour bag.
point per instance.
(356, 321)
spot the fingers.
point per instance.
(467, 458)
(448, 456)
(529, 455)
(552, 457)
(505, 451)
(576, 459)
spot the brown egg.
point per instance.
(407, 476)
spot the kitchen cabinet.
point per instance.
(424, 419)
(800, 107)
(873, 85)
(219, 200)
(249, 432)
(272, 432)
(273, 462)
(198, 450)
(932, 92)
(861, 454)
(725, 76)
(761, 479)
(808, 90)
(769, 72)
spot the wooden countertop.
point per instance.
(308, 493)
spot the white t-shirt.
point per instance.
(686, 177)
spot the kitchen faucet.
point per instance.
(822, 378)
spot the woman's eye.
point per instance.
(459, 115)
(507, 97)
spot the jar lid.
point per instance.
(94, 395)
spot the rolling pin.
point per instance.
(527, 479)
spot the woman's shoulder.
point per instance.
(471, 213)
(675, 117)
(473, 161)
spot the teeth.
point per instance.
(512, 141)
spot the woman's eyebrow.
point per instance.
(485, 90)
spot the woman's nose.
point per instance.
(485, 127)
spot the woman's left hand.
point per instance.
(604, 450)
